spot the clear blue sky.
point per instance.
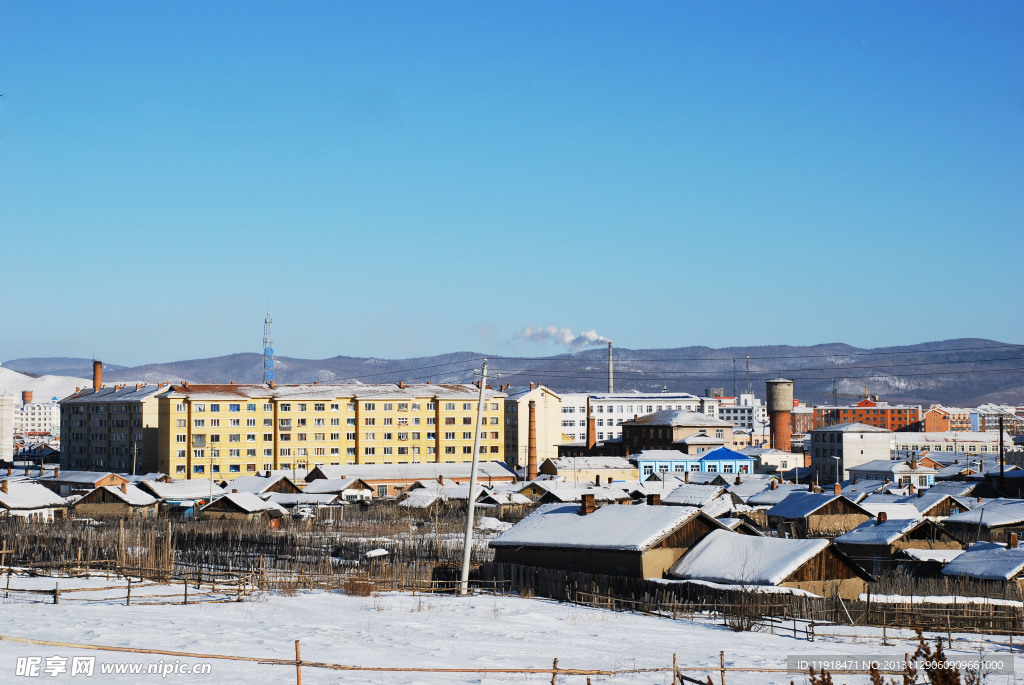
(409, 178)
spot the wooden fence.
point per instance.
(743, 609)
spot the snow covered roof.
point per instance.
(324, 486)
(996, 512)
(749, 485)
(943, 555)
(567, 491)
(247, 502)
(324, 391)
(116, 393)
(678, 417)
(864, 487)
(132, 496)
(701, 438)
(727, 557)
(589, 463)
(889, 466)
(893, 510)
(181, 489)
(802, 504)
(254, 484)
(290, 499)
(987, 561)
(22, 495)
(618, 527)
(414, 472)
(852, 427)
(693, 495)
(885, 533)
(769, 497)
(82, 477)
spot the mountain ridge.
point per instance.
(958, 371)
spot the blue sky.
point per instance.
(409, 178)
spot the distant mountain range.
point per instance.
(964, 371)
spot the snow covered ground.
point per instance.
(403, 630)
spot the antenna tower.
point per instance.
(750, 388)
(268, 351)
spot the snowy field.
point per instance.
(407, 631)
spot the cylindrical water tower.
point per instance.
(780, 410)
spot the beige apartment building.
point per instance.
(229, 430)
(548, 421)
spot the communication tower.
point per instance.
(268, 351)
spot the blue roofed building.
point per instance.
(722, 460)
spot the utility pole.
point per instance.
(1002, 471)
(134, 451)
(468, 545)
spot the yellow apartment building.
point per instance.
(225, 431)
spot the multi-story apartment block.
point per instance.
(986, 418)
(547, 420)
(110, 428)
(38, 417)
(231, 430)
(969, 442)
(891, 417)
(840, 447)
(940, 419)
(745, 411)
(611, 410)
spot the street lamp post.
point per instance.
(838, 479)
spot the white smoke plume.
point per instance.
(562, 336)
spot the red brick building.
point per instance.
(891, 417)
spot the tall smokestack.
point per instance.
(611, 369)
(97, 376)
(531, 451)
(26, 397)
(780, 411)
(591, 429)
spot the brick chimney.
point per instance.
(26, 397)
(913, 464)
(911, 489)
(686, 476)
(97, 375)
(10, 471)
(56, 471)
(591, 428)
(531, 386)
(653, 499)
(882, 517)
(774, 484)
(3, 486)
(838, 489)
(1013, 542)
(587, 504)
(124, 488)
(531, 449)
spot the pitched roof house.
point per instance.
(638, 541)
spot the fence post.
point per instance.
(554, 672)
(128, 599)
(721, 656)
(186, 588)
(298, 665)
(56, 593)
(675, 670)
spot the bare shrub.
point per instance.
(357, 586)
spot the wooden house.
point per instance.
(124, 501)
(595, 470)
(636, 541)
(876, 544)
(241, 506)
(808, 514)
(350, 489)
(989, 521)
(749, 561)
(997, 565)
(557, 490)
(391, 480)
(30, 501)
(261, 485)
(79, 482)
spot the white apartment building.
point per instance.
(611, 409)
(846, 445)
(38, 417)
(7, 427)
(745, 411)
